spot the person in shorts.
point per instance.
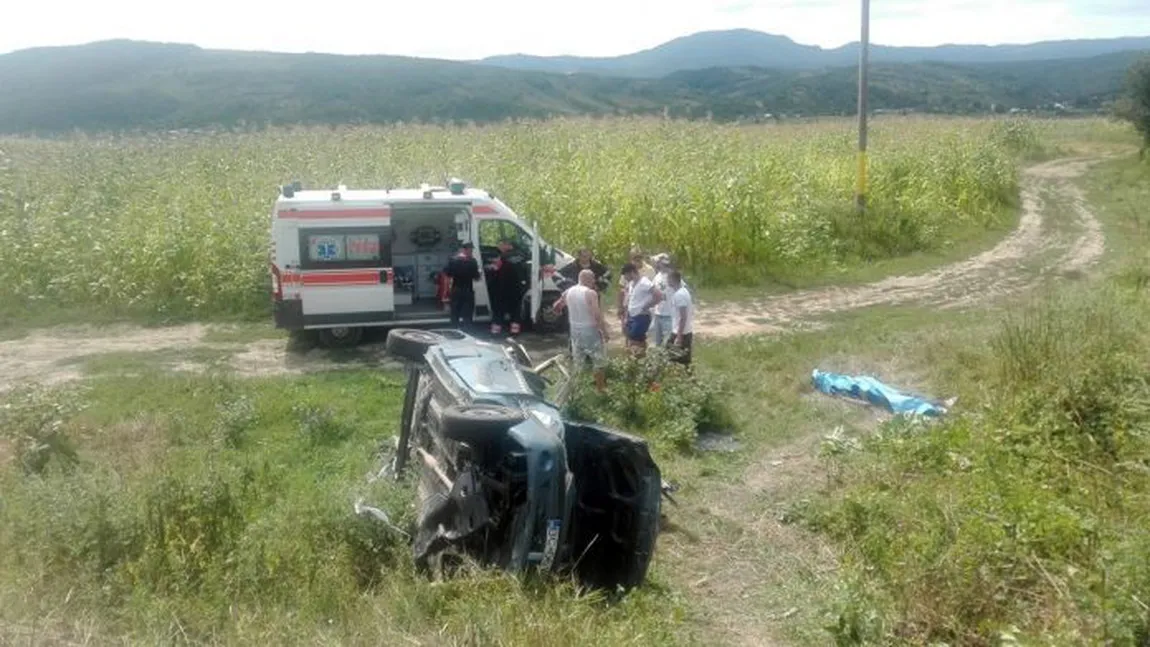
(682, 319)
(640, 263)
(642, 297)
(588, 328)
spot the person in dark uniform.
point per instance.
(585, 260)
(509, 274)
(464, 271)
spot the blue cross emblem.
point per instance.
(326, 251)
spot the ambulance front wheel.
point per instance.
(341, 337)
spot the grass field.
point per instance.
(177, 226)
(145, 505)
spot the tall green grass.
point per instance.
(203, 509)
(177, 225)
(1023, 518)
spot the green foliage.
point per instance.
(171, 227)
(318, 424)
(32, 419)
(656, 398)
(258, 543)
(118, 86)
(1134, 106)
(1018, 517)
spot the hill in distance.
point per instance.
(128, 85)
(747, 48)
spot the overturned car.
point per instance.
(505, 480)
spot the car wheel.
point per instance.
(479, 423)
(341, 337)
(410, 344)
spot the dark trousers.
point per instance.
(505, 305)
(462, 307)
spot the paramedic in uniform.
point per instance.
(588, 327)
(508, 272)
(464, 271)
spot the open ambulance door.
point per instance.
(536, 287)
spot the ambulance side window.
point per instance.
(492, 231)
(344, 247)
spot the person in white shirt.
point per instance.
(588, 328)
(644, 269)
(661, 324)
(642, 297)
(682, 319)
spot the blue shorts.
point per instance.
(637, 327)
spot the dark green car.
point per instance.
(505, 480)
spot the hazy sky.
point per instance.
(476, 28)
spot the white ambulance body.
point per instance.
(343, 260)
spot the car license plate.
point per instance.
(552, 543)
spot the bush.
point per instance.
(1016, 519)
(32, 418)
(654, 397)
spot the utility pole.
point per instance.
(864, 47)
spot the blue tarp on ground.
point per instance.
(868, 389)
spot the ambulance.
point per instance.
(344, 260)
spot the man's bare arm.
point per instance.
(597, 312)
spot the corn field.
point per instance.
(177, 224)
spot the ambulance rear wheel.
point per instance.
(341, 337)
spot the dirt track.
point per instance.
(991, 274)
(1038, 247)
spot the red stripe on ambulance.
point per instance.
(355, 277)
(325, 214)
(483, 208)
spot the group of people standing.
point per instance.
(649, 298)
(652, 298)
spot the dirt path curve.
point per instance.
(56, 355)
(740, 560)
(993, 273)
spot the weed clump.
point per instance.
(1022, 519)
(656, 398)
(32, 419)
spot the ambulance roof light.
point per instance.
(457, 186)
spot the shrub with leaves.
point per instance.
(655, 398)
(33, 418)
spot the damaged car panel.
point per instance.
(505, 480)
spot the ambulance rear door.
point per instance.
(345, 267)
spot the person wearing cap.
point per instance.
(642, 269)
(661, 321)
(464, 272)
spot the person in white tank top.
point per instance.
(588, 328)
